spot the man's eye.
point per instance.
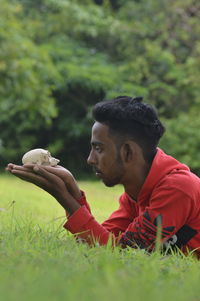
(97, 148)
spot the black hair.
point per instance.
(130, 117)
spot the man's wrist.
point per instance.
(69, 204)
(74, 189)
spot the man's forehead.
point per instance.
(98, 126)
(103, 134)
(100, 131)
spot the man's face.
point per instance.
(105, 156)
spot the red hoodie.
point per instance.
(169, 200)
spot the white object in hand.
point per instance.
(39, 156)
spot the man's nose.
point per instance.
(91, 158)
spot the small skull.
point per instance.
(39, 156)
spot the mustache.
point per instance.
(96, 170)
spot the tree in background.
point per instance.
(27, 77)
(58, 58)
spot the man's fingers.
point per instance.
(51, 169)
(32, 178)
(34, 174)
(9, 167)
(56, 184)
(29, 166)
(61, 172)
(26, 174)
(58, 170)
(21, 167)
(44, 173)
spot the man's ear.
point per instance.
(128, 151)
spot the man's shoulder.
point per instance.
(183, 180)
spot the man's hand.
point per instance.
(53, 180)
(65, 175)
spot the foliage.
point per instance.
(182, 138)
(58, 58)
(26, 80)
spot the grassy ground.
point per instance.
(39, 260)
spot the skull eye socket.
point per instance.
(45, 157)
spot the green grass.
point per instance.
(39, 260)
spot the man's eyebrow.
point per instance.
(96, 143)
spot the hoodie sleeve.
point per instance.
(84, 225)
(120, 219)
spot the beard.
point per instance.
(111, 183)
(116, 174)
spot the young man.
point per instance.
(160, 193)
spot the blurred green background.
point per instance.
(59, 57)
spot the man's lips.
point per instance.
(97, 172)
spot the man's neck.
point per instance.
(135, 180)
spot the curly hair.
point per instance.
(130, 117)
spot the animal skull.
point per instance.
(39, 156)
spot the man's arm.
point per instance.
(120, 219)
(168, 212)
(90, 230)
(61, 184)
